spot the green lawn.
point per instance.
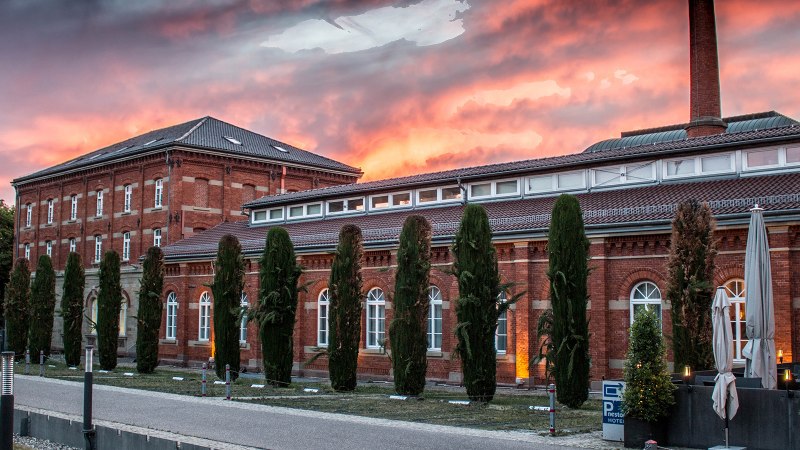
(508, 411)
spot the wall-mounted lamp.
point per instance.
(780, 356)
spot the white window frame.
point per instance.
(737, 295)
(73, 245)
(305, 213)
(28, 215)
(99, 204)
(697, 164)
(159, 193)
(126, 246)
(782, 160)
(435, 314)
(171, 331)
(492, 189)
(48, 246)
(391, 204)
(243, 325)
(439, 197)
(376, 318)
(501, 332)
(126, 207)
(157, 237)
(204, 318)
(98, 248)
(73, 209)
(623, 170)
(27, 251)
(346, 209)
(50, 210)
(323, 313)
(647, 293)
(554, 187)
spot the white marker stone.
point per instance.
(259, 386)
(177, 378)
(312, 390)
(128, 374)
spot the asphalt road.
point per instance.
(258, 425)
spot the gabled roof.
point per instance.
(206, 133)
(736, 124)
(726, 140)
(634, 209)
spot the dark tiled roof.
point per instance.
(736, 124)
(728, 140)
(204, 133)
(653, 205)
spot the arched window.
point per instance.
(501, 335)
(434, 318)
(28, 251)
(376, 318)
(159, 195)
(172, 316)
(126, 246)
(126, 207)
(99, 204)
(323, 303)
(737, 296)
(28, 214)
(98, 248)
(645, 296)
(50, 210)
(243, 325)
(205, 317)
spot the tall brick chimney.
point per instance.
(706, 112)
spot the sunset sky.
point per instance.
(392, 87)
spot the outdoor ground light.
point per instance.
(687, 373)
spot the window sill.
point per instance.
(199, 343)
(168, 341)
(157, 208)
(434, 354)
(372, 351)
(126, 213)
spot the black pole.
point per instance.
(7, 402)
(88, 428)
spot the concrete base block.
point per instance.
(722, 447)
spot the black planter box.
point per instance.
(638, 431)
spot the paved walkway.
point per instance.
(261, 426)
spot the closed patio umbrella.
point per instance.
(760, 349)
(726, 401)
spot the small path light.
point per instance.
(41, 363)
(27, 362)
(227, 381)
(203, 382)
(88, 429)
(551, 389)
(687, 374)
(7, 402)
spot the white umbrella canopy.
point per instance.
(726, 400)
(760, 315)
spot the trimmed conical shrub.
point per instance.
(408, 330)
(43, 304)
(278, 305)
(72, 308)
(148, 320)
(109, 302)
(690, 290)
(17, 308)
(227, 291)
(568, 272)
(345, 309)
(475, 268)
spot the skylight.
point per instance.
(233, 140)
(280, 149)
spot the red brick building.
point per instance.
(628, 188)
(155, 189)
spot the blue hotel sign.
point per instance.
(613, 418)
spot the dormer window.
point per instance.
(346, 206)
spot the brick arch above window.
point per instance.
(637, 276)
(375, 284)
(727, 272)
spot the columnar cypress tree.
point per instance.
(109, 302)
(345, 309)
(408, 330)
(17, 308)
(477, 309)
(43, 303)
(227, 290)
(568, 253)
(6, 249)
(72, 308)
(148, 320)
(278, 305)
(690, 289)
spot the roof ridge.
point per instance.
(191, 130)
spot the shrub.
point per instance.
(408, 330)
(109, 302)
(648, 389)
(345, 309)
(568, 271)
(72, 308)
(17, 308)
(43, 303)
(477, 310)
(690, 289)
(279, 274)
(148, 321)
(227, 291)
(6, 250)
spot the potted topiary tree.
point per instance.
(648, 396)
